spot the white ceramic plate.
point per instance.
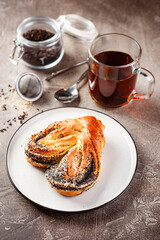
(118, 163)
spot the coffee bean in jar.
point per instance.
(40, 56)
(37, 35)
(40, 41)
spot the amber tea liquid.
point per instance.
(110, 84)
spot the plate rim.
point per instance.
(60, 210)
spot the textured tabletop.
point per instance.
(135, 214)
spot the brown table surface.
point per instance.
(135, 214)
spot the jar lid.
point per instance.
(78, 27)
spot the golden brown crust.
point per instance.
(36, 164)
(72, 148)
(69, 193)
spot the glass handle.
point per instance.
(151, 85)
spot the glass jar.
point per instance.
(38, 54)
(48, 53)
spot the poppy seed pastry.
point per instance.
(71, 150)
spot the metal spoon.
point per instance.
(70, 94)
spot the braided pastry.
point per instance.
(71, 151)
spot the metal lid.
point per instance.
(78, 27)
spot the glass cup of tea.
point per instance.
(114, 64)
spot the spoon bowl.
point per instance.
(70, 94)
(66, 95)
